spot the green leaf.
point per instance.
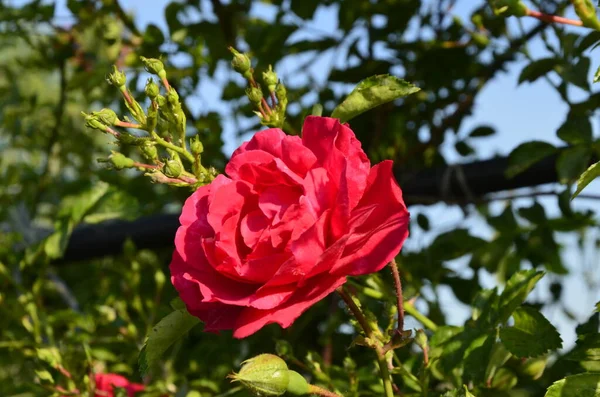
(531, 336)
(588, 176)
(575, 130)
(581, 385)
(372, 92)
(516, 291)
(477, 357)
(572, 162)
(527, 154)
(163, 335)
(482, 131)
(587, 349)
(72, 211)
(537, 69)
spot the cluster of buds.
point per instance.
(161, 142)
(270, 115)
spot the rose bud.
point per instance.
(173, 169)
(120, 161)
(254, 94)
(106, 116)
(116, 78)
(154, 66)
(270, 78)
(241, 62)
(151, 89)
(268, 375)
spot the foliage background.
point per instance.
(96, 313)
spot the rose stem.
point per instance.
(399, 297)
(319, 391)
(553, 18)
(360, 317)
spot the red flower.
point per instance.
(105, 384)
(292, 221)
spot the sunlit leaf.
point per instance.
(531, 336)
(164, 334)
(372, 92)
(581, 385)
(587, 177)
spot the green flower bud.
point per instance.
(281, 93)
(154, 66)
(196, 146)
(116, 78)
(173, 169)
(149, 151)
(151, 89)
(509, 8)
(264, 375)
(161, 100)
(120, 161)
(270, 79)
(297, 385)
(172, 97)
(241, 62)
(254, 94)
(421, 339)
(91, 121)
(106, 116)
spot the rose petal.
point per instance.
(251, 320)
(296, 156)
(374, 241)
(317, 191)
(268, 140)
(252, 227)
(275, 200)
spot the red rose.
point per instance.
(292, 221)
(105, 384)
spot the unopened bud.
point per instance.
(281, 93)
(173, 169)
(151, 89)
(196, 146)
(154, 66)
(106, 116)
(91, 121)
(149, 151)
(264, 375)
(120, 161)
(509, 8)
(116, 78)
(270, 78)
(172, 97)
(241, 62)
(254, 94)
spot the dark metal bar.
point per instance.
(454, 183)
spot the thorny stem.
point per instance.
(319, 391)
(114, 133)
(362, 320)
(553, 18)
(146, 166)
(399, 296)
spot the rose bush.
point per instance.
(292, 220)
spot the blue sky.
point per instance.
(518, 112)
